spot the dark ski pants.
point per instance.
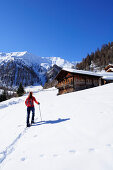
(29, 109)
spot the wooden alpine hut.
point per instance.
(109, 68)
(70, 80)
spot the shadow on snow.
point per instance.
(9, 149)
(50, 122)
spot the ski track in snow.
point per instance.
(9, 149)
(6, 104)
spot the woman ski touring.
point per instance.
(30, 107)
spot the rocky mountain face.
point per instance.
(50, 75)
(28, 69)
(12, 73)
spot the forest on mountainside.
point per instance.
(97, 60)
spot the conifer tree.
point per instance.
(100, 58)
(3, 96)
(20, 90)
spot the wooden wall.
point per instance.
(76, 82)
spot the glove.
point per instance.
(39, 103)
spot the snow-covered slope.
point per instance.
(76, 131)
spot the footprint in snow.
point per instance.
(20, 125)
(55, 155)
(109, 145)
(91, 150)
(72, 151)
(35, 136)
(23, 159)
(42, 155)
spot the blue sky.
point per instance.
(63, 28)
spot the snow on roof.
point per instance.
(82, 72)
(106, 75)
(110, 69)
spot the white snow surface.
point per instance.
(76, 132)
(106, 75)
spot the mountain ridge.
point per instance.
(27, 67)
(98, 60)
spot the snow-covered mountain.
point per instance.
(32, 60)
(76, 131)
(16, 67)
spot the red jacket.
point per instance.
(30, 102)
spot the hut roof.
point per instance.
(63, 72)
(108, 66)
(110, 70)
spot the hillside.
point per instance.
(76, 131)
(97, 60)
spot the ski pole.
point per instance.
(40, 113)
